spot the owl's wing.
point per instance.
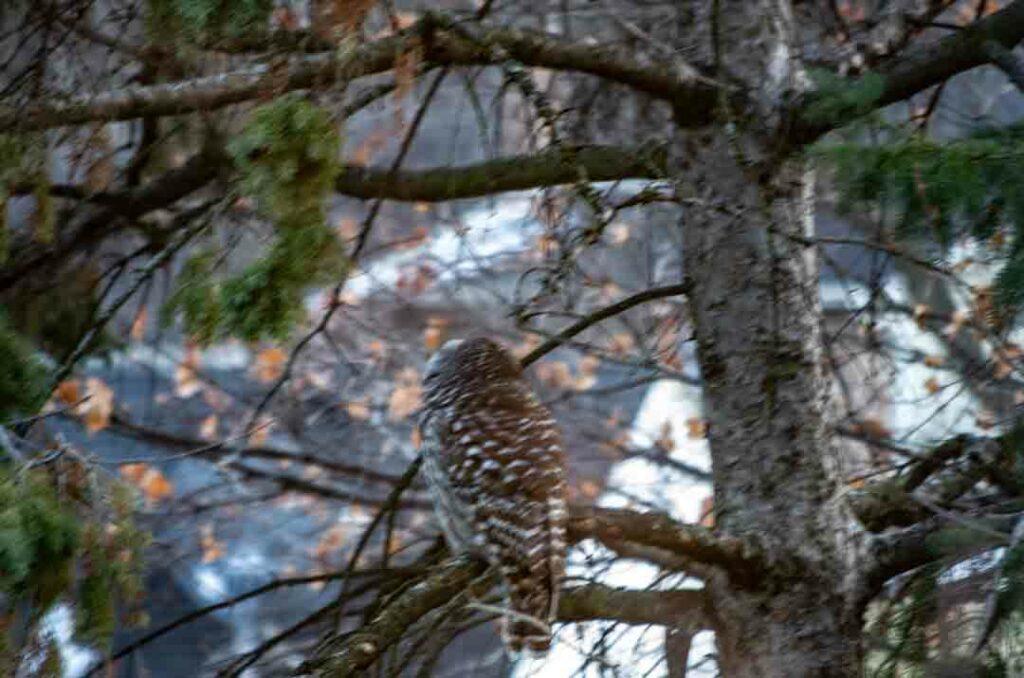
(516, 476)
(455, 514)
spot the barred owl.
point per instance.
(493, 458)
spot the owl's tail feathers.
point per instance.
(521, 631)
(526, 624)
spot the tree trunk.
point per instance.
(753, 291)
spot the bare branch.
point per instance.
(912, 547)
(31, 256)
(359, 650)
(680, 84)
(516, 173)
(933, 63)
(891, 502)
(354, 653)
(741, 558)
(371, 578)
(603, 314)
(120, 424)
(681, 607)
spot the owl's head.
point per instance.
(463, 362)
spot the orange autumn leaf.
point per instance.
(260, 432)
(358, 410)
(213, 550)
(672, 361)
(331, 541)
(416, 279)
(396, 544)
(932, 385)
(957, 322)
(921, 312)
(416, 438)
(609, 291)
(933, 360)
(218, 401)
(621, 344)
(347, 228)
(377, 350)
(186, 381)
(873, 428)
(68, 392)
(991, 7)
(98, 407)
(522, 349)
(857, 483)
(317, 584)
(707, 512)
(243, 203)
(269, 364)
(588, 364)
(333, 20)
(133, 472)
(589, 489)
(432, 338)
(554, 374)
(405, 400)
(618, 233)
(154, 485)
(285, 18)
(584, 382)
(365, 151)
(405, 19)
(138, 331)
(696, 428)
(587, 369)
(665, 442)
(997, 240)
(208, 428)
(851, 12)
(962, 266)
(406, 67)
(416, 237)
(969, 12)
(408, 375)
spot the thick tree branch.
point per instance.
(31, 256)
(915, 546)
(678, 83)
(215, 451)
(693, 96)
(927, 65)
(948, 472)
(680, 607)
(357, 651)
(547, 168)
(740, 558)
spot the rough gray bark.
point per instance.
(754, 302)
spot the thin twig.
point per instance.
(602, 314)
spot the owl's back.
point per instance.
(493, 457)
